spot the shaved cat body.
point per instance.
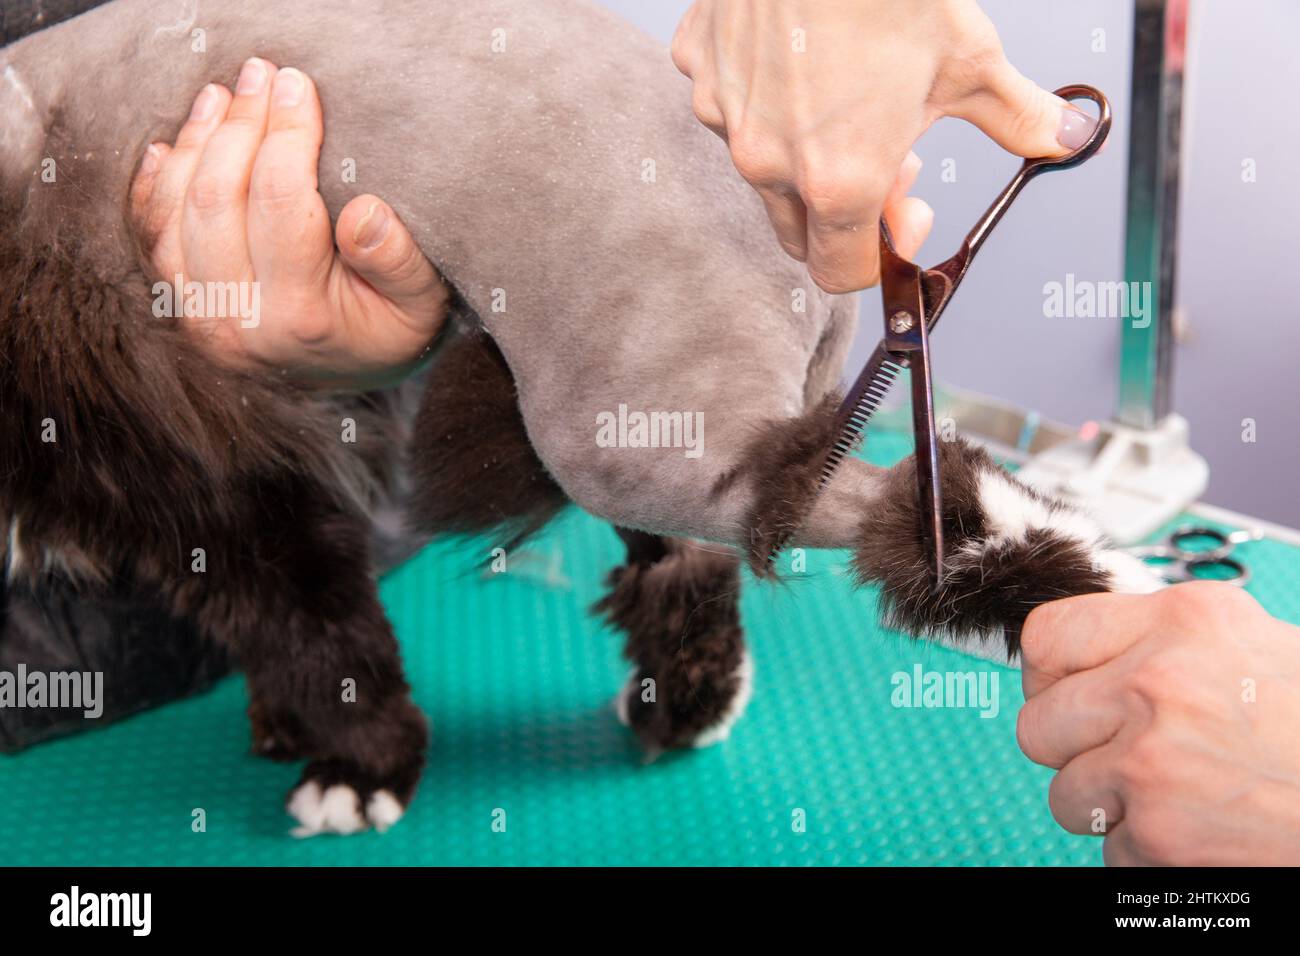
(545, 157)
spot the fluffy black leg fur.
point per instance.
(228, 498)
(297, 603)
(1008, 548)
(474, 469)
(678, 605)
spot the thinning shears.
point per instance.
(914, 299)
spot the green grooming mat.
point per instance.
(517, 679)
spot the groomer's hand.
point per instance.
(821, 101)
(1173, 719)
(235, 200)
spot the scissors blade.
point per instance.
(908, 298)
(877, 377)
(904, 289)
(859, 405)
(928, 490)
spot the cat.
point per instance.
(605, 256)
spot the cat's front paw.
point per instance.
(331, 798)
(694, 715)
(373, 784)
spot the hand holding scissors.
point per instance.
(914, 299)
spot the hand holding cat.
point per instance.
(235, 200)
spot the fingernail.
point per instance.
(288, 87)
(149, 165)
(204, 103)
(372, 228)
(252, 78)
(1076, 127)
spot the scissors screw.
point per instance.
(901, 322)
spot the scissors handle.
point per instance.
(943, 279)
(1166, 562)
(1221, 545)
(1176, 559)
(1032, 167)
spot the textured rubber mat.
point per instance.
(517, 678)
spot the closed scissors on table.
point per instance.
(1197, 553)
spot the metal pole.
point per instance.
(1151, 229)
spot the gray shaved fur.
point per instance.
(519, 171)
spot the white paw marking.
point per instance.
(719, 731)
(384, 810)
(337, 809)
(739, 701)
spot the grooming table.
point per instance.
(518, 679)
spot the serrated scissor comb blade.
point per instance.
(857, 409)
